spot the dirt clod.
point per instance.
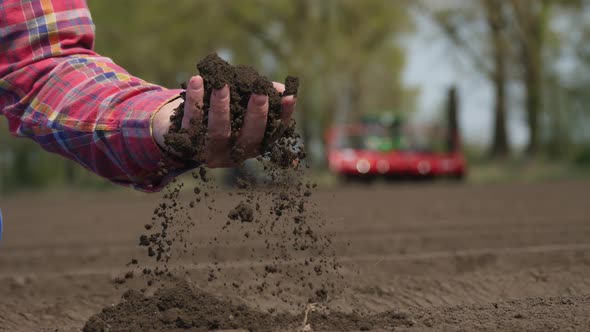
(243, 81)
(243, 212)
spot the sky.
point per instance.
(433, 66)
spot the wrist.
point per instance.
(141, 156)
(161, 123)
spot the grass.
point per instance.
(486, 172)
(479, 172)
(525, 171)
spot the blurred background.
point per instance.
(482, 90)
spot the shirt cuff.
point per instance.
(148, 157)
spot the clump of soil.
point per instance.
(181, 307)
(184, 308)
(243, 212)
(243, 81)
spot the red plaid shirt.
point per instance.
(55, 90)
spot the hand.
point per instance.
(218, 149)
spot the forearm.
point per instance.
(89, 110)
(55, 90)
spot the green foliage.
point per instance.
(582, 155)
(24, 165)
(340, 49)
(539, 38)
(346, 53)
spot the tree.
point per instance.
(460, 26)
(531, 20)
(496, 22)
(345, 52)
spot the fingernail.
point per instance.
(222, 93)
(259, 100)
(289, 100)
(196, 84)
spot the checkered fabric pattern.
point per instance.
(55, 90)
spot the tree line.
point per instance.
(347, 54)
(350, 59)
(522, 42)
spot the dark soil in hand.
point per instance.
(243, 81)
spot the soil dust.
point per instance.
(277, 209)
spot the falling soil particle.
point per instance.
(243, 212)
(288, 224)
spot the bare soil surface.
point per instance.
(511, 257)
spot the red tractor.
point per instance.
(392, 150)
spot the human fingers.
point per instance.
(218, 128)
(287, 103)
(194, 101)
(252, 132)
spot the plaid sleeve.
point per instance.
(56, 91)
